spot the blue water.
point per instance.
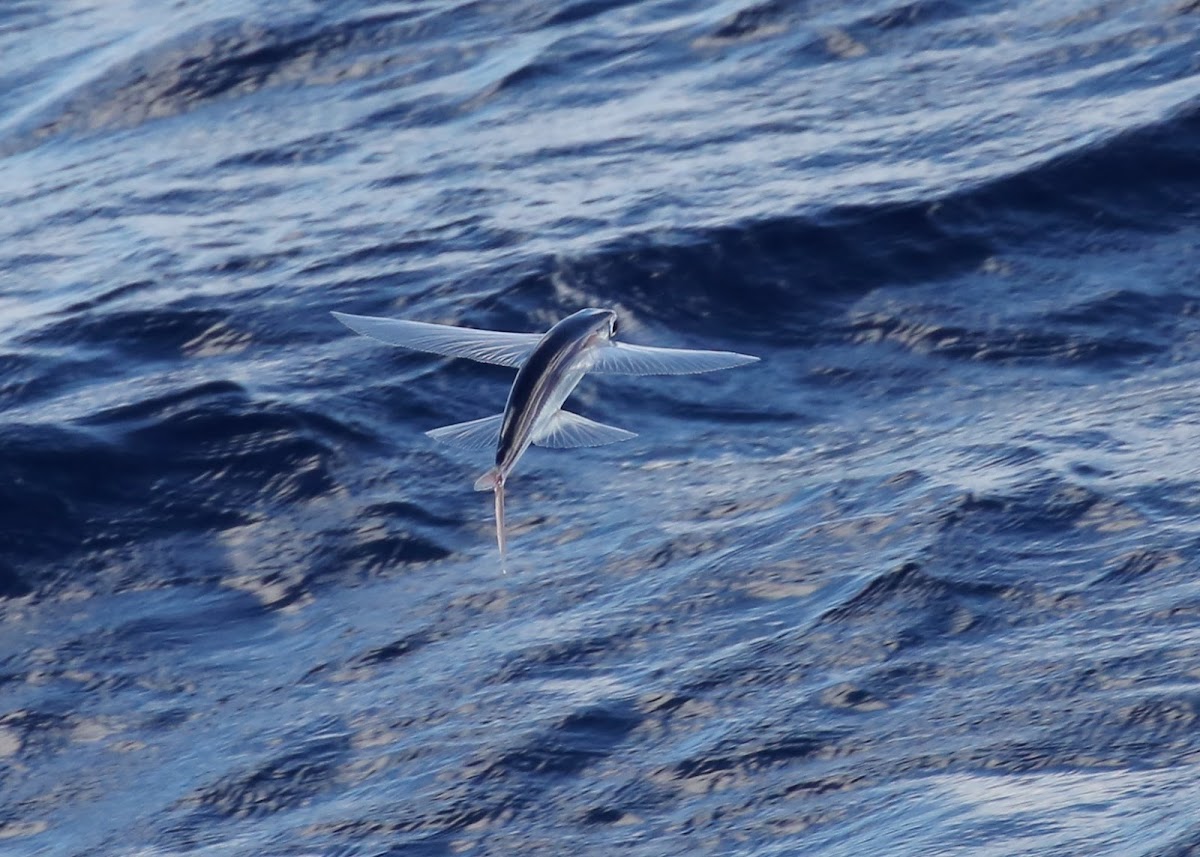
(924, 581)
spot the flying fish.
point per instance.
(549, 366)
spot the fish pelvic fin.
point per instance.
(566, 430)
(474, 434)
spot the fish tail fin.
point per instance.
(500, 516)
(493, 481)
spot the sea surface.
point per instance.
(924, 581)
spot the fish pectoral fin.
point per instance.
(475, 434)
(619, 358)
(567, 431)
(486, 346)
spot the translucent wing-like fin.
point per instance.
(486, 346)
(567, 431)
(476, 434)
(617, 358)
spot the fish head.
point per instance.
(599, 323)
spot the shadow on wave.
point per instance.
(226, 58)
(1146, 179)
(779, 279)
(192, 463)
(787, 277)
(524, 774)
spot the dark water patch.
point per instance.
(243, 264)
(743, 757)
(211, 619)
(925, 30)
(376, 551)
(498, 784)
(564, 657)
(907, 590)
(30, 376)
(147, 334)
(1168, 498)
(410, 512)
(470, 232)
(545, 71)
(906, 610)
(578, 740)
(404, 838)
(285, 781)
(1184, 844)
(236, 58)
(203, 459)
(780, 279)
(607, 147)
(21, 15)
(315, 149)
(1145, 565)
(386, 537)
(254, 456)
(1163, 721)
(34, 260)
(400, 250)
(1005, 344)
(1047, 506)
(1013, 537)
(1118, 675)
(227, 57)
(1138, 71)
(106, 297)
(48, 477)
(404, 179)
(581, 10)
(228, 428)
(194, 199)
(12, 584)
(924, 13)
(1149, 732)
(1142, 180)
(169, 404)
(1004, 454)
(755, 21)
(882, 688)
(396, 649)
(87, 211)
(29, 733)
(1154, 313)
(419, 113)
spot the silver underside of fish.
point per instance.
(549, 366)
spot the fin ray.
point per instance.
(567, 431)
(619, 358)
(473, 434)
(486, 346)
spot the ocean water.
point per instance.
(926, 580)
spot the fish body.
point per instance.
(547, 378)
(551, 373)
(549, 367)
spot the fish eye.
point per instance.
(612, 326)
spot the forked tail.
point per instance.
(493, 481)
